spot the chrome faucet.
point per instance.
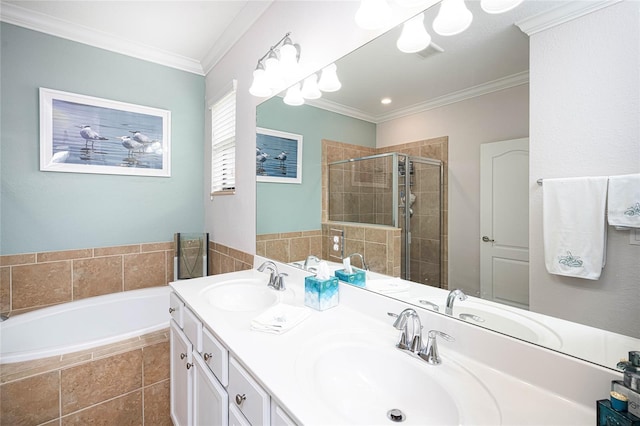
(430, 351)
(276, 280)
(411, 337)
(453, 294)
(309, 258)
(364, 264)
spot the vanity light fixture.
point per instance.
(453, 18)
(329, 81)
(499, 6)
(294, 96)
(310, 87)
(414, 36)
(276, 67)
(373, 14)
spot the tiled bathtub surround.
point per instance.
(290, 246)
(123, 383)
(35, 280)
(223, 259)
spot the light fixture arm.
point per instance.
(275, 46)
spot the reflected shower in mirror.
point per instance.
(461, 98)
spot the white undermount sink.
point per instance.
(244, 295)
(361, 377)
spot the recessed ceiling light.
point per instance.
(385, 101)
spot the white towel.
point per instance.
(280, 318)
(574, 226)
(388, 285)
(623, 206)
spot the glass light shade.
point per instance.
(453, 18)
(499, 6)
(289, 60)
(294, 96)
(273, 72)
(329, 81)
(373, 14)
(260, 86)
(310, 88)
(414, 36)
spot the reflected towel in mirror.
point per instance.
(623, 205)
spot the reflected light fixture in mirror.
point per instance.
(373, 14)
(414, 36)
(329, 81)
(310, 87)
(498, 6)
(453, 18)
(294, 96)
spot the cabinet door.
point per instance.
(247, 395)
(181, 377)
(236, 418)
(210, 400)
(279, 417)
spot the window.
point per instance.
(223, 143)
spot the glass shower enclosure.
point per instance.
(398, 190)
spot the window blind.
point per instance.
(223, 144)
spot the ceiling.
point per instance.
(493, 54)
(188, 35)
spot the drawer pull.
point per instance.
(172, 310)
(183, 356)
(240, 399)
(207, 357)
(189, 365)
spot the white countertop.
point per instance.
(274, 360)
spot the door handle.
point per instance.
(487, 239)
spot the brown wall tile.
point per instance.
(53, 256)
(41, 284)
(111, 251)
(155, 359)
(97, 276)
(157, 404)
(30, 401)
(17, 259)
(278, 250)
(123, 411)
(144, 270)
(97, 381)
(146, 247)
(5, 289)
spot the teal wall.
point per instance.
(43, 211)
(285, 207)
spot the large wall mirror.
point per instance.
(469, 94)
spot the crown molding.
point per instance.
(451, 98)
(564, 13)
(240, 25)
(16, 15)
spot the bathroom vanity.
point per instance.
(342, 366)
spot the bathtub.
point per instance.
(83, 324)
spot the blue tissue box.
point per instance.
(607, 416)
(357, 278)
(321, 294)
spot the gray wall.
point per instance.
(584, 122)
(42, 211)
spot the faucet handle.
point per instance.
(278, 281)
(430, 352)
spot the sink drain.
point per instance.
(396, 415)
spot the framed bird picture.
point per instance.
(278, 156)
(84, 134)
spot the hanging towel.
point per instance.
(574, 226)
(280, 318)
(623, 207)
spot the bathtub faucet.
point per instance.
(453, 295)
(276, 280)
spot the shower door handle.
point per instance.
(487, 239)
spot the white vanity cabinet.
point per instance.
(181, 376)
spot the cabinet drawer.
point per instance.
(176, 306)
(215, 356)
(192, 328)
(247, 395)
(235, 416)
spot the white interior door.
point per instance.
(504, 222)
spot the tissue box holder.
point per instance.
(321, 294)
(607, 416)
(357, 278)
